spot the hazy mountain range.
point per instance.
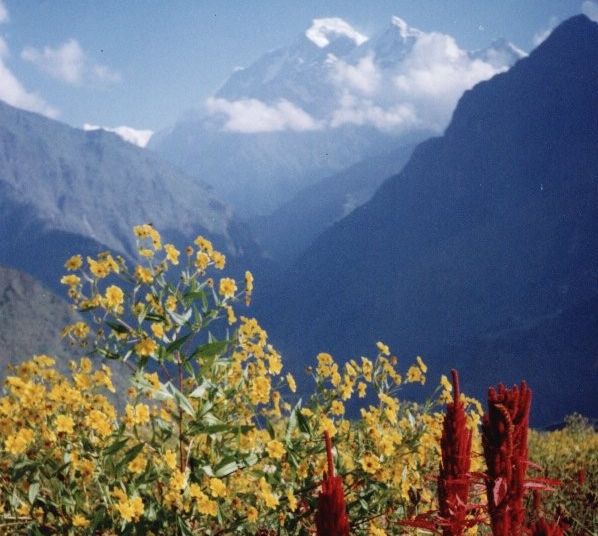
(476, 248)
(330, 99)
(63, 190)
(483, 252)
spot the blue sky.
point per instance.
(144, 63)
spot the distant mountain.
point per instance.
(32, 318)
(289, 230)
(483, 252)
(330, 99)
(63, 190)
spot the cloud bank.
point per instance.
(69, 63)
(137, 137)
(250, 116)
(400, 79)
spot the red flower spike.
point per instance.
(331, 515)
(504, 438)
(455, 514)
(454, 477)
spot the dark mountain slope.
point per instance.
(488, 232)
(289, 230)
(63, 190)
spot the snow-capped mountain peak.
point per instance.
(323, 30)
(404, 29)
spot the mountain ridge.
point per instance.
(491, 226)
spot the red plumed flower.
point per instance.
(454, 477)
(504, 438)
(331, 515)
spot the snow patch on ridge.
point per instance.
(321, 29)
(132, 135)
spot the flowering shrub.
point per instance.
(207, 443)
(569, 455)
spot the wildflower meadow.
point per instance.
(212, 437)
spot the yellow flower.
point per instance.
(80, 521)
(202, 260)
(129, 509)
(138, 414)
(64, 424)
(204, 244)
(172, 253)
(114, 297)
(252, 514)
(383, 348)
(138, 465)
(337, 408)
(217, 487)
(71, 280)
(157, 329)
(275, 449)
(421, 364)
(292, 500)
(143, 275)
(291, 383)
(361, 389)
(370, 463)
(74, 263)
(146, 347)
(270, 500)
(98, 268)
(230, 315)
(248, 281)
(327, 425)
(99, 423)
(367, 368)
(18, 442)
(219, 260)
(170, 303)
(415, 374)
(145, 252)
(228, 287)
(170, 459)
(205, 505)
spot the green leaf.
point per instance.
(130, 455)
(175, 345)
(33, 491)
(182, 401)
(119, 328)
(115, 447)
(210, 349)
(182, 525)
(227, 466)
(107, 354)
(303, 423)
(181, 320)
(201, 389)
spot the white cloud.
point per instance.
(363, 77)
(321, 29)
(69, 63)
(252, 115)
(13, 92)
(3, 12)
(590, 9)
(421, 91)
(366, 112)
(132, 135)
